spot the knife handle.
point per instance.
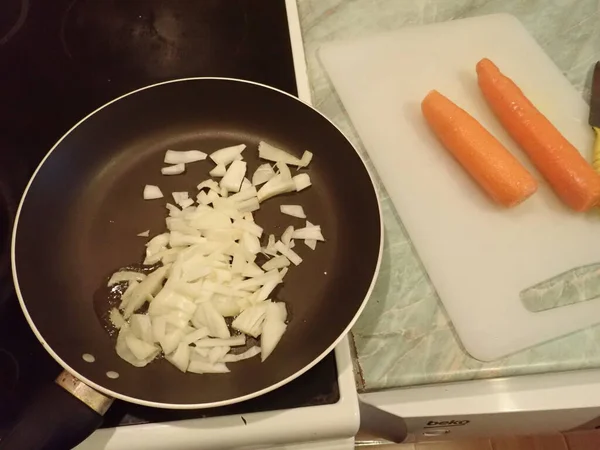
(596, 157)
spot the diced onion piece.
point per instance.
(250, 320)
(179, 239)
(195, 335)
(227, 155)
(125, 275)
(149, 286)
(235, 341)
(273, 329)
(301, 181)
(140, 349)
(288, 252)
(244, 194)
(271, 153)
(283, 272)
(251, 352)
(265, 291)
(276, 263)
(312, 232)
(175, 169)
(246, 184)
(252, 270)
(284, 170)
(248, 206)
(226, 306)
(152, 192)
(180, 358)
(293, 210)
(306, 159)
(262, 174)
(202, 198)
(232, 180)
(249, 227)
(311, 243)
(186, 203)
(144, 233)
(203, 366)
(180, 197)
(125, 352)
(141, 327)
(286, 237)
(250, 243)
(116, 318)
(171, 340)
(275, 186)
(216, 353)
(209, 184)
(184, 157)
(214, 321)
(157, 244)
(218, 171)
(127, 294)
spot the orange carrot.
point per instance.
(495, 169)
(569, 174)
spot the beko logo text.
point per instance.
(446, 423)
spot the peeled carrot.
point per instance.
(569, 174)
(495, 169)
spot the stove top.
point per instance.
(62, 59)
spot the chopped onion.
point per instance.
(144, 233)
(152, 192)
(140, 349)
(180, 197)
(232, 180)
(180, 358)
(249, 227)
(204, 366)
(276, 263)
(248, 206)
(288, 252)
(286, 237)
(141, 327)
(209, 184)
(306, 159)
(195, 335)
(275, 186)
(149, 286)
(244, 194)
(271, 153)
(262, 174)
(284, 170)
(246, 184)
(301, 181)
(252, 270)
(293, 210)
(273, 330)
(185, 157)
(311, 243)
(218, 171)
(227, 155)
(175, 169)
(312, 232)
(214, 321)
(127, 294)
(116, 318)
(216, 353)
(251, 352)
(250, 320)
(125, 275)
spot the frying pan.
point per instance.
(78, 220)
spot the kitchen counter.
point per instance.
(404, 336)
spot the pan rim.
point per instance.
(187, 406)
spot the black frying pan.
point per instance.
(80, 214)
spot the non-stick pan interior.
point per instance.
(80, 216)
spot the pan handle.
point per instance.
(60, 416)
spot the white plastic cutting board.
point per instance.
(478, 256)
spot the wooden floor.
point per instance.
(577, 440)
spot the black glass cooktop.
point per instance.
(60, 60)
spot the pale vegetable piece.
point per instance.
(140, 349)
(288, 252)
(301, 181)
(203, 199)
(269, 250)
(250, 243)
(244, 194)
(293, 210)
(275, 186)
(271, 153)
(204, 366)
(202, 351)
(195, 335)
(232, 180)
(180, 197)
(311, 243)
(144, 233)
(175, 169)
(309, 232)
(284, 170)
(180, 358)
(250, 320)
(157, 244)
(251, 352)
(218, 171)
(286, 237)
(283, 272)
(249, 227)
(235, 341)
(127, 294)
(125, 275)
(255, 282)
(159, 328)
(252, 270)
(141, 327)
(186, 203)
(246, 184)
(248, 206)
(226, 306)
(166, 256)
(149, 286)
(214, 321)
(125, 352)
(171, 340)
(209, 184)
(227, 155)
(216, 353)
(116, 318)
(276, 263)
(152, 192)
(183, 157)
(262, 174)
(266, 291)
(273, 329)
(179, 239)
(306, 159)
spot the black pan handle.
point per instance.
(60, 416)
